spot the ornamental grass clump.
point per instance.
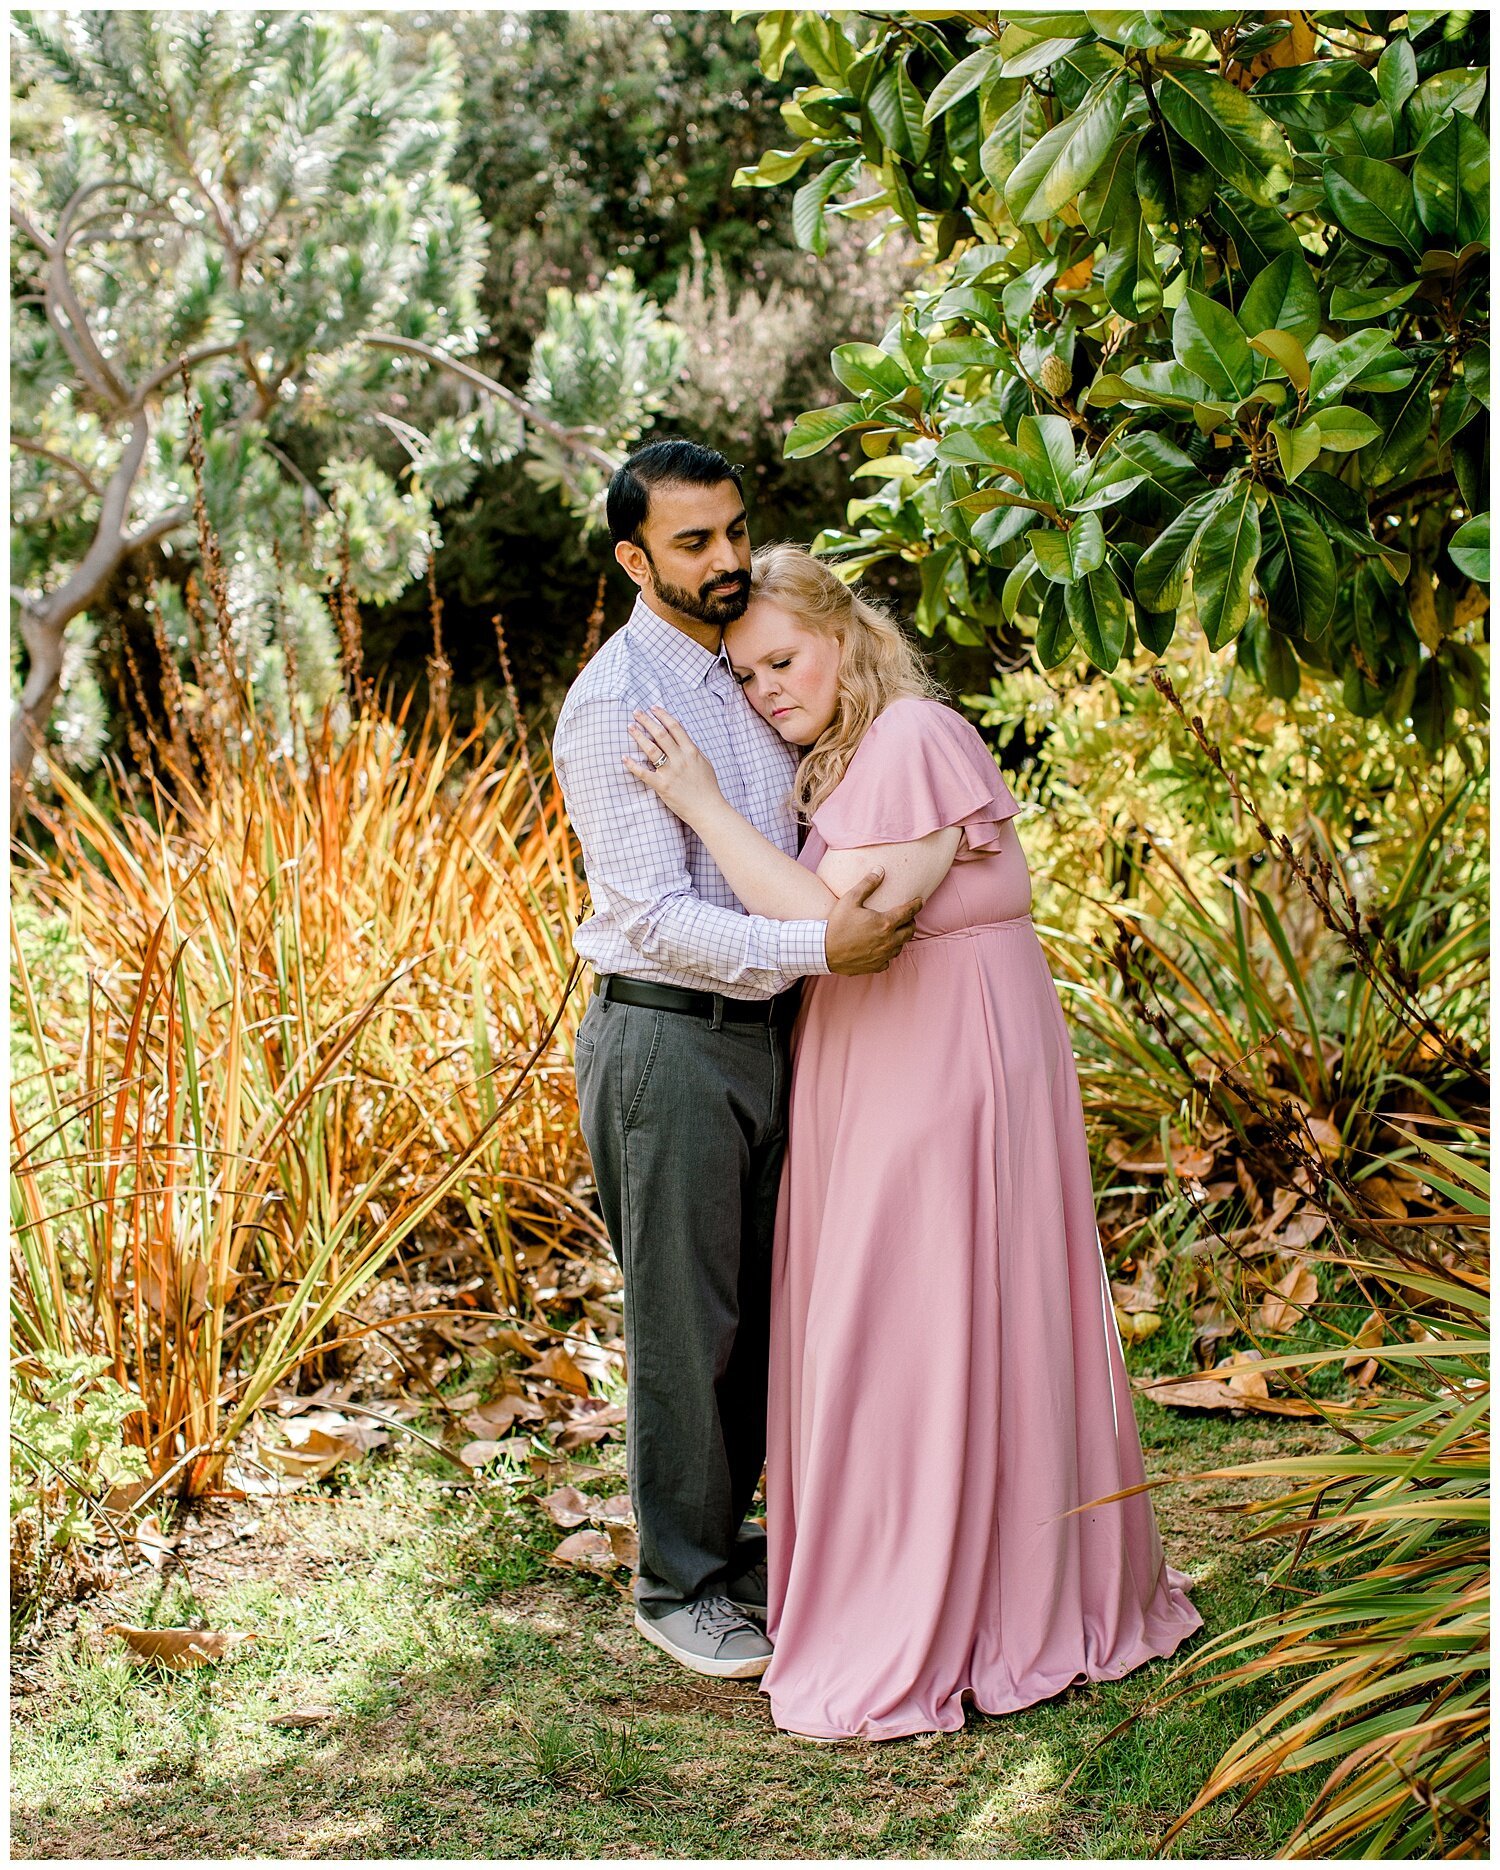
(328, 1016)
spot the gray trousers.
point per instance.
(685, 1125)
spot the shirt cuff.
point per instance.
(803, 948)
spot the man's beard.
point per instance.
(719, 602)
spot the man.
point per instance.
(682, 1053)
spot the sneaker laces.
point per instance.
(716, 1616)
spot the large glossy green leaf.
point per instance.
(1054, 630)
(1451, 184)
(1209, 342)
(1298, 572)
(1259, 234)
(1336, 368)
(1047, 444)
(1052, 172)
(867, 370)
(1021, 128)
(1469, 548)
(1357, 304)
(1096, 609)
(810, 204)
(1282, 297)
(1456, 93)
(1396, 74)
(966, 76)
(895, 106)
(1065, 556)
(1373, 200)
(1234, 136)
(1345, 430)
(1165, 470)
(1296, 447)
(1286, 353)
(1225, 560)
(1312, 97)
(1163, 568)
(1169, 386)
(815, 429)
(1408, 423)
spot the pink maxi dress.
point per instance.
(946, 1373)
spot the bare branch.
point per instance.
(566, 438)
(158, 377)
(32, 232)
(29, 447)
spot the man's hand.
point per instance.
(862, 940)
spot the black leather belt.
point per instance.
(715, 1007)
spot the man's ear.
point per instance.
(633, 562)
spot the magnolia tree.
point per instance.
(260, 206)
(1204, 341)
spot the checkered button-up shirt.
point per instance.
(662, 908)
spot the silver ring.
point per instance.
(660, 763)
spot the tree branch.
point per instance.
(566, 438)
(158, 377)
(28, 446)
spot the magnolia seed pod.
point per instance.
(1056, 377)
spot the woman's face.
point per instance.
(789, 673)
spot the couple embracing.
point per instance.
(838, 1140)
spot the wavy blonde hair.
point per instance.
(876, 665)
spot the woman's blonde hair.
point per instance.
(876, 663)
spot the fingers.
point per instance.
(866, 886)
(646, 741)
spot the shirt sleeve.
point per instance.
(635, 854)
(921, 766)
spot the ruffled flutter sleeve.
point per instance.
(921, 766)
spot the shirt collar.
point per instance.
(671, 646)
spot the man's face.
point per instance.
(696, 546)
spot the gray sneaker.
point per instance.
(747, 1592)
(710, 1637)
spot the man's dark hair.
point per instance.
(658, 464)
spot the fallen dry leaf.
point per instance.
(480, 1453)
(1327, 1137)
(1371, 1333)
(558, 1366)
(1136, 1327)
(1384, 1196)
(1192, 1393)
(309, 1716)
(587, 1550)
(1301, 1231)
(616, 1510)
(154, 1544)
(495, 1418)
(566, 1507)
(180, 1649)
(625, 1545)
(315, 1453)
(1244, 1378)
(1282, 1308)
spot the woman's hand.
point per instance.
(672, 765)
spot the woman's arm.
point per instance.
(912, 869)
(766, 880)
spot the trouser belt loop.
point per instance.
(716, 1024)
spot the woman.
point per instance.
(946, 1378)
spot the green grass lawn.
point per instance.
(483, 1705)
